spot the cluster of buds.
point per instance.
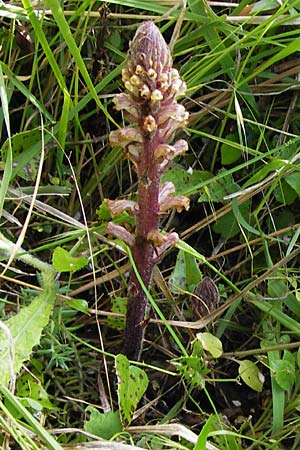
(150, 105)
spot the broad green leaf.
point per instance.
(228, 226)
(64, 262)
(277, 287)
(287, 355)
(30, 390)
(118, 305)
(115, 39)
(283, 340)
(132, 384)
(230, 153)
(78, 304)
(284, 219)
(293, 179)
(251, 375)
(284, 193)
(182, 245)
(219, 188)
(26, 329)
(264, 5)
(25, 152)
(284, 373)
(184, 181)
(288, 150)
(211, 344)
(186, 274)
(104, 425)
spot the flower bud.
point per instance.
(149, 54)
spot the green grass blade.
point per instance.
(25, 91)
(75, 51)
(212, 36)
(37, 25)
(8, 163)
(36, 427)
(288, 322)
(285, 52)
(63, 127)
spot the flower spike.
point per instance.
(152, 87)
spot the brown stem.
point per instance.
(143, 252)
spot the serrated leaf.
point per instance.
(26, 329)
(251, 375)
(104, 425)
(186, 274)
(193, 370)
(64, 262)
(132, 384)
(103, 212)
(211, 344)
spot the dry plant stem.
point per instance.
(150, 104)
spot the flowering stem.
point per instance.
(150, 104)
(147, 220)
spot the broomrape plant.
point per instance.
(150, 105)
